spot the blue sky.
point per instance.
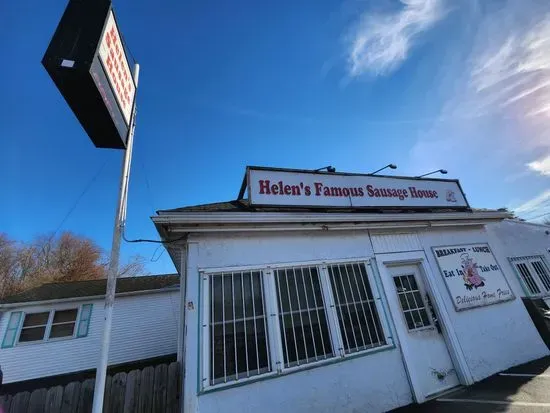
(426, 84)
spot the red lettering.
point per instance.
(288, 190)
(361, 193)
(370, 191)
(274, 189)
(318, 187)
(109, 64)
(264, 187)
(281, 189)
(296, 190)
(307, 190)
(345, 192)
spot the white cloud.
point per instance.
(501, 85)
(542, 166)
(381, 42)
(538, 203)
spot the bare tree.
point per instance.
(67, 257)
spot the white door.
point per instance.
(426, 355)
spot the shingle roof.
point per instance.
(92, 288)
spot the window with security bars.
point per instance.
(412, 305)
(534, 274)
(238, 331)
(356, 310)
(267, 320)
(302, 316)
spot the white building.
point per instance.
(340, 292)
(56, 329)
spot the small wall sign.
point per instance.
(472, 275)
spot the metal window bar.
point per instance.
(419, 307)
(281, 312)
(292, 318)
(239, 318)
(404, 285)
(212, 342)
(264, 312)
(370, 303)
(309, 312)
(355, 305)
(294, 304)
(370, 316)
(317, 312)
(338, 306)
(244, 323)
(362, 306)
(540, 269)
(527, 278)
(300, 313)
(223, 326)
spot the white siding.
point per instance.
(144, 326)
(494, 337)
(374, 382)
(383, 243)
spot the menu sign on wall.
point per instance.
(472, 275)
(333, 190)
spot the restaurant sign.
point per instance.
(87, 61)
(472, 275)
(287, 187)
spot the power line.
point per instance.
(73, 207)
(538, 216)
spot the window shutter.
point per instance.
(11, 330)
(84, 322)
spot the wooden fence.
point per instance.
(151, 390)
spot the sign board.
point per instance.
(87, 62)
(279, 187)
(114, 60)
(472, 275)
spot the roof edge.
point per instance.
(197, 218)
(86, 298)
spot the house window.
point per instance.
(238, 329)
(269, 320)
(412, 305)
(534, 274)
(48, 325)
(34, 327)
(355, 307)
(302, 317)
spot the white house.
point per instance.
(56, 329)
(341, 292)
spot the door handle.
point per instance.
(433, 314)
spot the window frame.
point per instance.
(46, 338)
(528, 262)
(425, 306)
(275, 340)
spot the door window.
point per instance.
(412, 305)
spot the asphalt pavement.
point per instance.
(521, 389)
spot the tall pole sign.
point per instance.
(87, 61)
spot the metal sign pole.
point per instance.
(120, 219)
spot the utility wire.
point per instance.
(86, 188)
(538, 216)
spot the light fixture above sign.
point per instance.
(303, 188)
